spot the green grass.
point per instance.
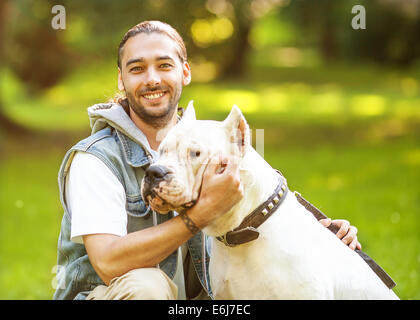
(375, 186)
(347, 139)
(30, 216)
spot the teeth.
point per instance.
(153, 96)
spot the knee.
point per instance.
(147, 284)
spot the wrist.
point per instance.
(189, 223)
(199, 214)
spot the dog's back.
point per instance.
(295, 257)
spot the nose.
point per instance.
(152, 77)
(156, 173)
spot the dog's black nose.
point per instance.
(156, 173)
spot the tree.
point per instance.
(5, 122)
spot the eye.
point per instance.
(165, 66)
(136, 69)
(195, 154)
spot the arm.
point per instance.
(112, 256)
(345, 232)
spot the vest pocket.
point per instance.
(136, 208)
(138, 215)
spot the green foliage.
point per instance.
(285, 32)
(222, 32)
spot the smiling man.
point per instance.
(111, 245)
(153, 78)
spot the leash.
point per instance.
(333, 228)
(203, 264)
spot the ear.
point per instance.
(186, 74)
(120, 82)
(189, 113)
(238, 130)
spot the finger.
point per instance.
(325, 222)
(344, 226)
(353, 244)
(350, 236)
(213, 165)
(232, 165)
(232, 172)
(358, 245)
(221, 167)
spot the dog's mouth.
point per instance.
(168, 193)
(162, 206)
(158, 204)
(165, 197)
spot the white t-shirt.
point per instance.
(96, 202)
(95, 198)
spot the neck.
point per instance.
(154, 135)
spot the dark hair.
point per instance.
(149, 27)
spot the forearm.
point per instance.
(112, 256)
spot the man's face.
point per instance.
(152, 76)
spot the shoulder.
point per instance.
(102, 137)
(88, 170)
(102, 148)
(87, 161)
(105, 146)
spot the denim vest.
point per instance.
(127, 160)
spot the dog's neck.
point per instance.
(259, 181)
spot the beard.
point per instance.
(155, 118)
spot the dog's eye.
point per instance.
(195, 154)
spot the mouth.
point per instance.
(157, 204)
(161, 206)
(154, 96)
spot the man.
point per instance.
(111, 246)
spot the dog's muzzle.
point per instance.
(153, 176)
(152, 187)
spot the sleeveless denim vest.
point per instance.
(127, 160)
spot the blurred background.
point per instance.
(340, 110)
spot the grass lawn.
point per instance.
(375, 186)
(351, 148)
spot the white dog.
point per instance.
(293, 255)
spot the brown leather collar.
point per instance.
(247, 230)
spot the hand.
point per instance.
(221, 189)
(346, 233)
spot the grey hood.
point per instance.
(102, 115)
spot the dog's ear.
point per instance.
(238, 130)
(189, 113)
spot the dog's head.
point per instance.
(173, 182)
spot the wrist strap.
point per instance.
(189, 223)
